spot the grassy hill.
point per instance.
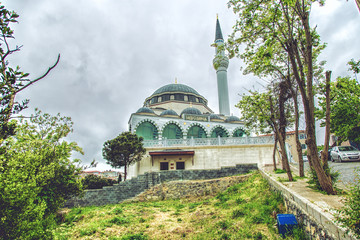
(243, 211)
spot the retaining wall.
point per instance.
(135, 186)
(317, 223)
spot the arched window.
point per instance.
(219, 131)
(147, 130)
(172, 131)
(196, 132)
(239, 133)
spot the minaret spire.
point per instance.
(221, 63)
(218, 33)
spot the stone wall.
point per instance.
(317, 223)
(189, 188)
(135, 186)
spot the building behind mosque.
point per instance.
(180, 131)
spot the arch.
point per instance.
(147, 129)
(239, 132)
(196, 131)
(219, 131)
(172, 130)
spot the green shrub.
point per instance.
(119, 220)
(138, 236)
(278, 171)
(96, 182)
(36, 176)
(349, 215)
(314, 181)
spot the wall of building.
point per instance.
(135, 186)
(291, 141)
(207, 157)
(317, 224)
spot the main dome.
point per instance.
(174, 87)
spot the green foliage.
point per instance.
(255, 109)
(36, 176)
(138, 236)
(349, 215)
(95, 182)
(345, 109)
(119, 220)
(278, 171)
(314, 181)
(354, 66)
(124, 150)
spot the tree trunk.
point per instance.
(325, 152)
(274, 152)
(281, 139)
(306, 90)
(294, 95)
(324, 179)
(125, 171)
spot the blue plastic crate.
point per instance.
(286, 223)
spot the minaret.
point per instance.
(221, 63)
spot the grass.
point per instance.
(243, 211)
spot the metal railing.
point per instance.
(209, 141)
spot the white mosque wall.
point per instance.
(206, 157)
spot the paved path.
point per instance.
(326, 202)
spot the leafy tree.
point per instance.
(92, 181)
(124, 150)
(279, 40)
(265, 114)
(36, 176)
(12, 80)
(345, 109)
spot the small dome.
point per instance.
(169, 112)
(214, 116)
(232, 119)
(175, 88)
(145, 110)
(191, 110)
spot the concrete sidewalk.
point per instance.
(328, 203)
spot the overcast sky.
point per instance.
(115, 53)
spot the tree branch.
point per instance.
(41, 77)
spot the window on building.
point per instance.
(147, 130)
(178, 97)
(164, 166)
(302, 136)
(239, 133)
(219, 131)
(180, 165)
(196, 132)
(192, 98)
(303, 146)
(172, 131)
(165, 97)
(154, 100)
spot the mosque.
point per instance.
(177, 111)
(180, 131)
